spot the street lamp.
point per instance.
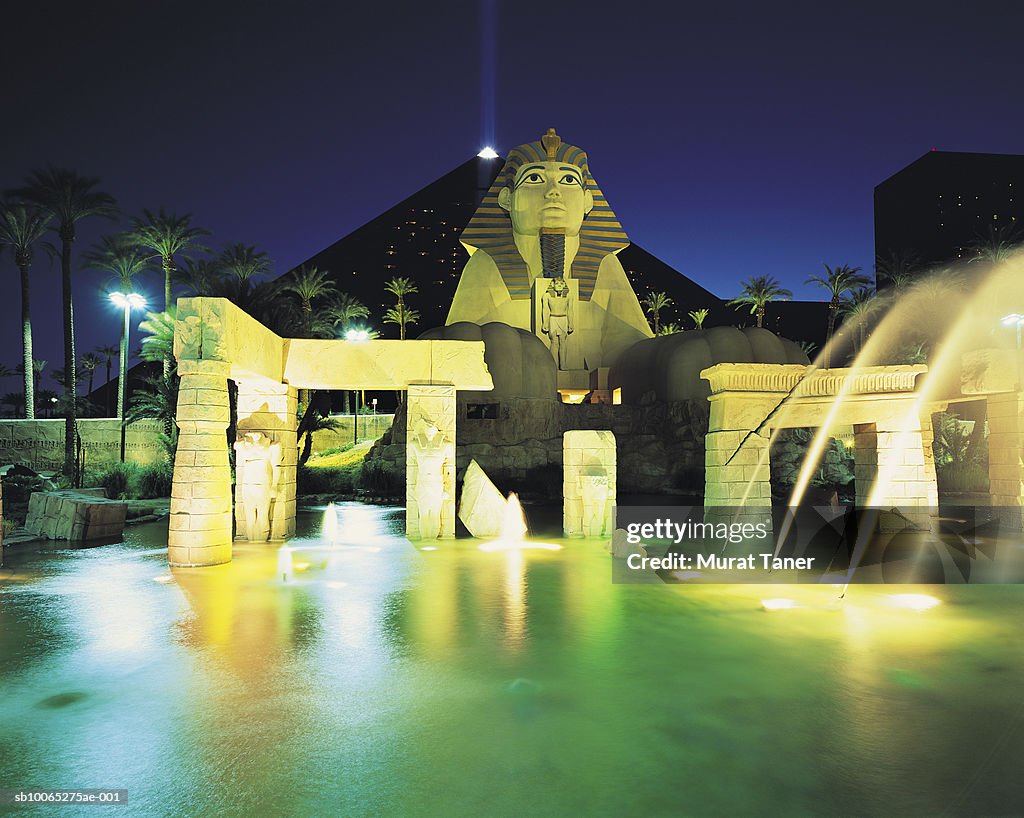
(356, 335)
(126, 303)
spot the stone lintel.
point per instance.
(316, 364)
(781, 379)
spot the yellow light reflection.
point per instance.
(915, 602)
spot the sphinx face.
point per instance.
(548, 195)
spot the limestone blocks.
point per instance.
(588, 483)
(200, 522)
(76, 516)
(482, 508)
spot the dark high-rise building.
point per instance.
(939, 207)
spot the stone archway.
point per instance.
(215, 341)
(749, 401)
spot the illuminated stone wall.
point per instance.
(39, 444)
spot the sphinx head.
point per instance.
(546, 191)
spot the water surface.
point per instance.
(386, 680)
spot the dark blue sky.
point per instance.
(735, 141)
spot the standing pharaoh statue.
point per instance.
(257, 467)
(556, 319)
(545, 217)
(431, 452)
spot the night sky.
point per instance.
(731, 141)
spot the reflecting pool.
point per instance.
(376, 678)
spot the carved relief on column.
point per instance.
(588, 483)
(265, 461)
(430, 462)
(200, 522)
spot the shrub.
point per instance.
(324, 480)
(382, 479)
(154, 481)
(118, 480)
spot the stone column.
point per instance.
(730, 475)
(200, 522)
(740, 487)
(865, 460)
(271, 409)
(1006, 456)
(588, 483)
(430, 462)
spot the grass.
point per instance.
(346, 458)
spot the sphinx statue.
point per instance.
(545, 219)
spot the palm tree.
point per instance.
(69, 198)
(157, 402)
(199, 277)
(343, 310)
(400, 314)
(244, 261)
(757, 292)
(858, 310)
(161, 399)
(20, 228)
(653, 304)
(837, 281)
(698, 317)
(14, 400)
(37, 372)
(998, 243)
(671, 328)
(168, 235)
(90, 362)
(403, 315)
(108, 353)
(120, 256)
(899, 269)
(309, 284)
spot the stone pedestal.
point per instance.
(430, 462)
(1006, 455)
(200, 522)
(270, 410)
(588, 483)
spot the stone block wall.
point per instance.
(660, 446)
(76, 516)
(39, 444)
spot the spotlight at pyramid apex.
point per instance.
(488, 153)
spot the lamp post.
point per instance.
(356, 335)
(1015, 319)
(126, 302)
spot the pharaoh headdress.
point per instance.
(490, 229)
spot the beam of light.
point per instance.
(488, 70)
(488, 153)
